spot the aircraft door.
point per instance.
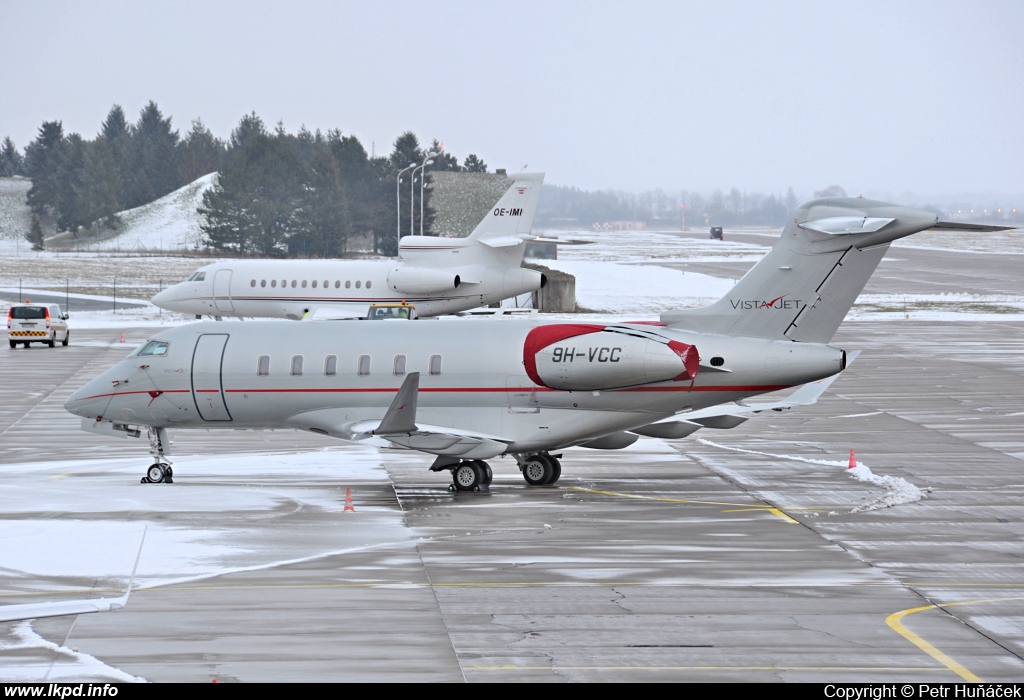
(207, 381)
(222, 291)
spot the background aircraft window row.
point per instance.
(304, 283)
(331, 364)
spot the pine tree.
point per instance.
(42, 161)
(200, 153)
(154, 155)
(35, 234)
(11, 161)
(253, 206)
(472, 164)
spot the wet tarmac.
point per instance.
(732, 555)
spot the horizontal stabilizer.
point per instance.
(962, 226)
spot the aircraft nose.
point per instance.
(89, 399)
(162, 297)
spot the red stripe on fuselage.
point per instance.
(453, 390)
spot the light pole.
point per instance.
(398, 206)
(423, 177)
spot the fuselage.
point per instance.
(437, 275)
(327, 376)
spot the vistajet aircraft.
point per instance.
(470, 390)
(436, 275)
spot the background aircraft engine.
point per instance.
(419, 280)
(586, 357)
(521, 280)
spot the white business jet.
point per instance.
(469, 390)
(436, 275)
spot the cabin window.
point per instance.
(296, 365)
(337, 284)
(263, 365)
(284, 283)
(314, 284)
(364, 365)
(717, 361)
(326, 284)
(435, 365)
(273, 283)
(294, 283)
(253, 283)
(331, 365)
(303, 284)
(358, 284)
(399, 365)
(348, 283)
(369, 283)
(263, 283)
(154, 348)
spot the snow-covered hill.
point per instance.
(169, 223)
(15, 216)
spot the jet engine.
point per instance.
(420, 280)
(587, 357)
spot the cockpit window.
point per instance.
(153, 347)
(197, 277)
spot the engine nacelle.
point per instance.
(421, 280)
(588, 357)
(521, 280)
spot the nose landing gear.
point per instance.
(160, 471)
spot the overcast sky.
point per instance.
(894, 99)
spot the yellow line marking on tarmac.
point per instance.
(741, 507)
(895, 621)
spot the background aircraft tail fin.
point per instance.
(511, 217)
(803, 288)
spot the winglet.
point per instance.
(123, 600)
(401, 415)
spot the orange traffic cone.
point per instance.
(348, 501)
(853, 460)
(122, 336)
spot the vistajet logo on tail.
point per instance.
(776, 303)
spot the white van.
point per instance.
(37, 323)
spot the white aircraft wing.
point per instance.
(730, 415)
(33, 611)
(400, 428)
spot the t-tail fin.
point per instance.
(803, 288)
(511, 218)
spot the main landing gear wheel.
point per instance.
(159, 474)
(537, 470)
(468, 476)
(541, 470)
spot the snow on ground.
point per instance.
(170, 223)
(990, 242)
(56, 664)
(895, 490)
(601, 286)
(15, 216)
(195, 532)
(654, 247)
